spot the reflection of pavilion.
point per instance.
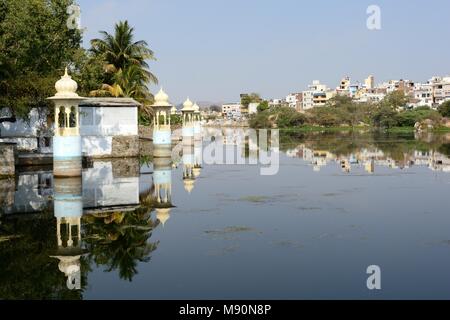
(188, 146)
(68, 209)
(162, 180)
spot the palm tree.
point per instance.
(130, 82)
(126, 67)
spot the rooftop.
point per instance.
(109, 102)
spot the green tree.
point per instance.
(215, 108)
(263, 106)
(384, 117)
(35, 46)
(288, 117)
(246, 99)
(410, 117)
(396, 99)
(444, 109)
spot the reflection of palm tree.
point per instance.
(120, 240)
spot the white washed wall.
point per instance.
(22, 128)
(96, 145)
(28, 197)
(109, 121)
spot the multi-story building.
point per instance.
(422, 95)
(343, 88)
(276, 102)
(369, 83)
(231, 110)
(393, 85)
(346, 88)
(440, 90)
(370, 97)
(294, 100)
(316, 95)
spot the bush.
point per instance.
(411, 117)
(175, 119)
(444, 109)
(288, 117)
(263, 106)
(384, 117)
(326, 116)
(260, 120)
(283, 117)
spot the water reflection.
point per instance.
(55, 232)
(369, 151)
(68, 210)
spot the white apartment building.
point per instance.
(232, 110)
(370, 97)
(294, 99)
(423, 95)
(276, 102)
(440, 89)
(316, 95)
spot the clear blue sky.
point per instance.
(215, 49)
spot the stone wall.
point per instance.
(125, 147)
(7, 191)
(146, 132)
(7, 160)
(125, 168)
(146, 148)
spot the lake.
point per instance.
(155, 228)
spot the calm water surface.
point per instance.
(339, 203)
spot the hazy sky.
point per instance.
(215, 49)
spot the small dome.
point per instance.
(173, 110)
(69, 265)
(196, 108)
(188, 105)
(163, 215)
(66, 87)
(189, 185)
(161, 99)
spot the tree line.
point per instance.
(36, 45)
(344, 111)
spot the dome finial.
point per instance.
(161, 99)
(187, 105)
(66, 87)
